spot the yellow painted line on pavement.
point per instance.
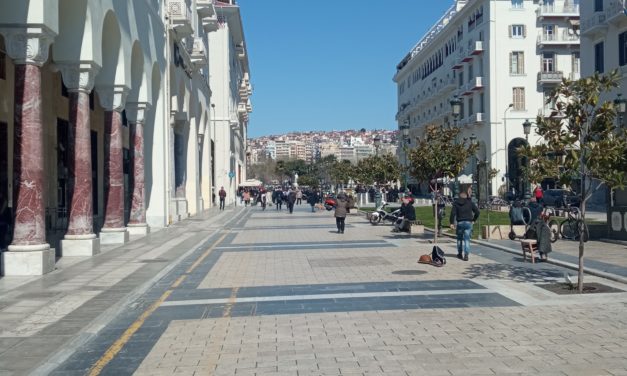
(117, 346)
(230, 303)
(114, 349)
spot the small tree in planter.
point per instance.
(437, 155)
(580, 143)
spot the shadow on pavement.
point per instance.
(510, 272)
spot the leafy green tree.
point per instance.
(377, 168)
(581, 143)
(342, 172)
(438, 155)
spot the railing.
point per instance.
(598, 19)
(563, 37)
(615, 10)
(555, 10)
(550, 76)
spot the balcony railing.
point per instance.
(594, 25)
(553, 10)
(615, 13)
(198, 53)
(210, 24)
(205, 8)
(477, 47)
(477, 118)
(565, 37)
(181, 18)
(550, 77)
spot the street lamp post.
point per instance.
(505, 151)
(456, 109)
(475, 189)
(527, 130)
(405, 139)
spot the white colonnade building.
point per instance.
(106, 122)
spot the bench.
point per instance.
(530, 246)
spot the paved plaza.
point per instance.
(252, 292)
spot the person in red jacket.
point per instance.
(539, 194)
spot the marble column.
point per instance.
(80, 239)
(135, 113)
(28, 254)
(112, 99)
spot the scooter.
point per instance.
(380, 215)
(330, 203)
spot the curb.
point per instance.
(564, 264)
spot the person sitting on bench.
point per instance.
(407, 216)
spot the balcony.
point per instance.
(241, 108)
(240, 50)
(555, 11)
(210, 24)
(615, 13)
(180, 18)
(198, 53)
(594, 26)
(477, 48)
(566, 38)
(476, 83)
(205, 8)
(550, 77)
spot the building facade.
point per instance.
(604, 49)
(499, 57)
(105, 123)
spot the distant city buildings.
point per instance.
(309, 146)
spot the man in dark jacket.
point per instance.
(291, 200)
(465, 213)
(407, 216)
(312, 199)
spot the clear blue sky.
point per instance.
(323, 65)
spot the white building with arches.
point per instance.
(105, 122)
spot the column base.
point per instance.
(80, 245)
(141, 229)
(113, 235)
(28, 260)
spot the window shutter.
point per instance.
(521, 63)
(524, 27)
(510, 30)
(511, 62)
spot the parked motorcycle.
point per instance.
(330, 203)
(380, 215)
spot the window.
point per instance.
(517, 4)
(461, 79)
(481, 103)
(517, 31)
(471, 106)
(518, 98)
(598, 5)
(622, 48)
(548, 62)
(575, 62)
(471, 72)
(517, 62)
(598, 57)
(548, 32)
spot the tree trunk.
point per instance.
(581, 243)
(435, 214)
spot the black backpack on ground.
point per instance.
(437, 256)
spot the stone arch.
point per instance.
(76, 39)
(138, 91)
(113, 67)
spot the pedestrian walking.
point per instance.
(299, 197)
(222, 194)
(246, 197)
(341, 209)
(278, 199)
(291, 200)
(263, 200)
(463, 216)
(312, 199)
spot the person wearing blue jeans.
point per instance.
(463, 215)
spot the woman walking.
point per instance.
(341, 209)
